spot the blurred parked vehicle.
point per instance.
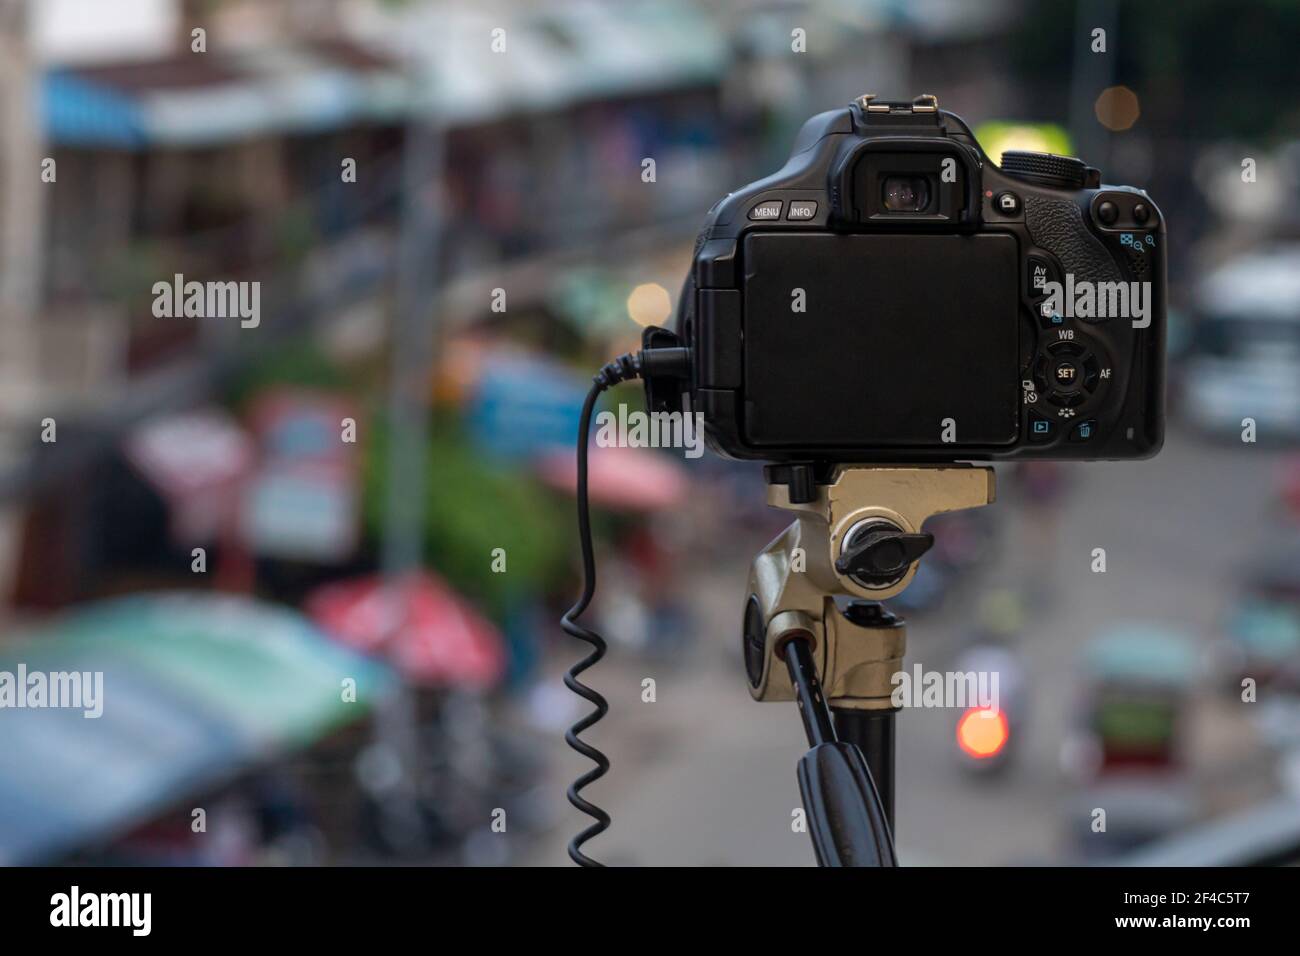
(1129, 746)
(1261, 631)
(1289, 489)
(1244, 359)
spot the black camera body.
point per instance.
(890, 295)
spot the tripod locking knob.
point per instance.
(878, 554)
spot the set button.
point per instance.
(1066, 374)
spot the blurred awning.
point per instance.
(201, 100)
(419, 624)
(554, 54)
(630, 479)
(437, 58)
(195, 689)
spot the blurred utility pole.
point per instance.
(1091, 73)
(21, 209)
(413, 353)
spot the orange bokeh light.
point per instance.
(1117, 108)
(982, 733)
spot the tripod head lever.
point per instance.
(879, 553)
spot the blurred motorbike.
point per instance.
(987, 735)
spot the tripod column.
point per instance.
(873, 732)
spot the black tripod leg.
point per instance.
(846, 819)
(873, 732)
(808, 693)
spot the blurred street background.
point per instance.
(319, 553)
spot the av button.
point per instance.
(766, 211)
(1083, 431)
(1040, 271)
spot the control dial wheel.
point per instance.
(1068, 373)
(1045, 169)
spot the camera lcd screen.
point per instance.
(897, 334)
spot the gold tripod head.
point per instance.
(860, 536)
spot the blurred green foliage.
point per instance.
(301, 364)
(473, 506)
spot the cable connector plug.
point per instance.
(665, 362)
(626, 366)
(646, 363)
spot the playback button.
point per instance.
(1041, 429)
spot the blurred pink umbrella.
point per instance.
(431, 634)
(631, 479)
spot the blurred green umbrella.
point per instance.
(191, 690)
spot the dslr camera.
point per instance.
(891, 295)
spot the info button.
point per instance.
(766, 211)
(801, 209)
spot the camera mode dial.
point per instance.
(1045, 169)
